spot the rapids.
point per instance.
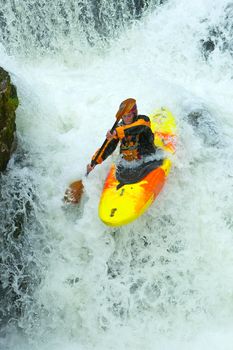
(165, 281)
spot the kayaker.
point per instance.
(134, 134)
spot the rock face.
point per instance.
(8, 104)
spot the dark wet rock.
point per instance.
(220, 35)
(205, 126)
(8, 104)
(208, 46)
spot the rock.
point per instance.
(205, 126)
(219, 33)
(8, 104)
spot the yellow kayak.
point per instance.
(121, 203)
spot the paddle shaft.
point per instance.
(93, 162)
(74, 193)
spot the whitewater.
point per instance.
(165, 280)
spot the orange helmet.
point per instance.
(126, 107)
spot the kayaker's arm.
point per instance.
(107, 150)
(140, 126)
(105, 153)
(144, 131)
(139, 130)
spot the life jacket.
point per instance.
(130, 136)
(129, 148)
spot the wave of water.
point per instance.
(66, 27)
(164, 281)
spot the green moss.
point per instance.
(8, 104)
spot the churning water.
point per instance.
(165, 281)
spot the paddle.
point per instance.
(74, 192)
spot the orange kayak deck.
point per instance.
(121, 205)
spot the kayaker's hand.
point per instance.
(90, 168)
(110, 136)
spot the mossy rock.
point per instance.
(8, 104)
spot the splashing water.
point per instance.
(164, 281)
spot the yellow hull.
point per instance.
(120, 206)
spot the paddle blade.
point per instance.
(74, 193)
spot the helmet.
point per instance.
(126, 107)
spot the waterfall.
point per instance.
(164, 281)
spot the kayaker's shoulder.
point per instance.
(144, 117)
